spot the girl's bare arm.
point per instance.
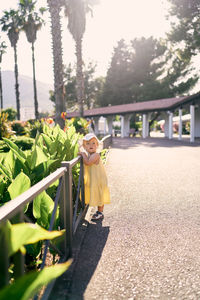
(93, 159)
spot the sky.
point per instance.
(111, 21)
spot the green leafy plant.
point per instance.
(28, 285)
(19, 170)
(13, 238)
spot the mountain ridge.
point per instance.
(26, 93)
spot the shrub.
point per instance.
(19, 127)
(81, 125)
(35, 126)
(12, 113)
(5, 129)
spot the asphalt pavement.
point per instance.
(148, 245)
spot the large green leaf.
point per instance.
(42, 170)
(17, 235)
(39, 141)
(47, 130)
(28, 285)
(76, 150)
(9, 161)
(2, 186)
(56, 146)
(42, 208)
(47, 140)
(5, 172)
(71, 131)
(37, 156)
(56, 130)
(19, 167)
(27, 233)
(19, 185)
(18, 152)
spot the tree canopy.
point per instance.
(185, 22)
(93, 86)
(145, 70)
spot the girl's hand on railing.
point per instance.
(80, 153)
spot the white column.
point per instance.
(197, 121)
(170, 125)
(122, 127)
(147, 124)
(127, 125)
(110, 124)
(166, 125)
(192, 122)
(105, 126)
(96, 125)
(144, 126)
(180, 126)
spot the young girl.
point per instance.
(95, 179)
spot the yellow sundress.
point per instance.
(96, 185)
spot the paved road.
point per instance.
(148, 245)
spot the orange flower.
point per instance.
(63, 115)
(49, 120)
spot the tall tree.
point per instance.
(76, 11)
(55, 9)
(145, 71)
(92, 85)
(32, 22)
(117, 89)
(11, 23)
(185, 16)
(158, 72)
(2, 51)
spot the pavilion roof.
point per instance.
(139, 107)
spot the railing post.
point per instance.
(82, 183)
(62, 212)
(18, 258)
(4, 259)
(66, 208)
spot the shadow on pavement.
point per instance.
(87, 261)
(73, 283)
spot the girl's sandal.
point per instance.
(97, 216)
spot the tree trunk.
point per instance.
(16, 83)
(54, 9)
(79, 76)
(34, 83)
(1, 90)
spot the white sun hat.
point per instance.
(90, 136)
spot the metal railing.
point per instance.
(71, 207)
(70, 215)
(106, 141)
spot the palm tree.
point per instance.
(54, 9)
(11, 23)
(2, 51)
(32, 22)
(75, 10)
